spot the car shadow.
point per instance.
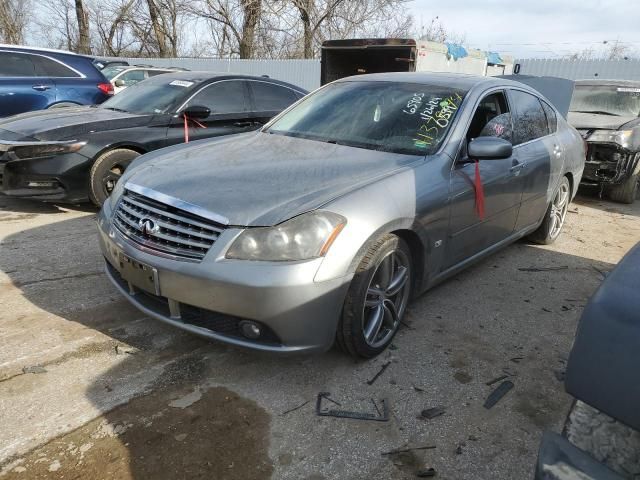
(23, 205)
(590, 197)
(209, 410)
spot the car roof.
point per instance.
(207, 76)
(26, 48)
(604, 82)
(454, 80)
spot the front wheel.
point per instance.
(553, 221)
(377, 298)
(106, 171)
(627, 191)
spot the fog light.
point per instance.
(42, 184)
(250, 329)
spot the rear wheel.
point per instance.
(106, 171)
(377, 298)
(554, 218)
(627, 191)
(63, 105)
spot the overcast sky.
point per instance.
(536, 28)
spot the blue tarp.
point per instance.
(493, 58)
(456, 51)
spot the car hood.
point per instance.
(589, 121)
(66, 123)
(262, 179)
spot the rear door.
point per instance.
(229, 103)
(269, 99)
(22, 86)
(70, 86)
(534, 147)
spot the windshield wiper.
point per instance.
(116, 109)
(597, 112)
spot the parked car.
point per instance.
(601, 438)
(102, 63)
(77, 154)
(37, 79)
(320, 226)
(606, 113)
(122, 77)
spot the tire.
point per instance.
(554, 217)
(106, 171)
(383, 280)
(605, 439)
(627, 191)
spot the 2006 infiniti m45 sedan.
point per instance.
(322, 225)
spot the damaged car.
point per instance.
(321, 226)
(606, 113)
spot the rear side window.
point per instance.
(529, 121)
(13, 64)
(552, 119)
(270, 97)
(228, 96)
(45, 67)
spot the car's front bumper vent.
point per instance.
(163, 228)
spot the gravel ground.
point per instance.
(90, 388)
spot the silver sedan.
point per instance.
(320, 227)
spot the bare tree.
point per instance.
(437, 32)
(14, 16)
(84, 42)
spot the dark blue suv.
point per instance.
(35, 79)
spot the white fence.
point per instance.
(581, 69)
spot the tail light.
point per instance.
(106, 88)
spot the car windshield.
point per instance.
(606, 100)
(110, 72)
(156, 95)
(397, 117)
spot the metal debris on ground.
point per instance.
(495, 396)
(434, 412)
(417, 389)
(543, 269)
(496, 380)
(516, 359)
(295, 408)
(395, 451)
(384, 417)
(34, 369)
(380, 372)
(426, 473)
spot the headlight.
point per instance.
(629, 139)
(45, 149)
(301, 238)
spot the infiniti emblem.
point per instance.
(148, 226)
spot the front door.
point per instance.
(468, 233)
(229, 104)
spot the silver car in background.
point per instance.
(322, 225)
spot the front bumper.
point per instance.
(608, 163)
(61, 177)
(212, 297)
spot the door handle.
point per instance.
(243, 124)
(515, 170)
(41, 88)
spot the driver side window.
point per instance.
(491, 119)
(224, 97)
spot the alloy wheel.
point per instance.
(559, 208)
(386, 298)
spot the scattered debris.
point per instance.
(392, 347)
(407, 449)
(560, 374)
(572, 211)
(546, 310)
(496, 380)
(473, 438)
(495, 396)
(459, 449)
(463, 377)
(434, 412)
(565, 308)
(380, 372)
(543, 269)
(347, 414)
(417, 389)
(34, 369)
(601, 272)
(426, 473)
(295, 408)
(516, 359)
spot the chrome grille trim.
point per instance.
(181, 234)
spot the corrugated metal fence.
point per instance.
(581, 69)
(304, 73)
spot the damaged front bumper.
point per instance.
(609, 163)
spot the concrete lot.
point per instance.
(90, 388)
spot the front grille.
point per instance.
(179, 234)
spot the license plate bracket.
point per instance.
(139, 274)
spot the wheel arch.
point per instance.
(416, 247)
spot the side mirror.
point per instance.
(489, 148)
(119, 83)
(196, 111)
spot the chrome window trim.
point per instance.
(177, 203)
(79, 74)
